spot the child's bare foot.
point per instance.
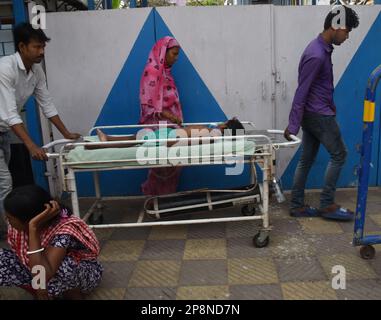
(101, 135)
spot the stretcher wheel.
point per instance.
(367, 252)
(248, 210)
(260, 241)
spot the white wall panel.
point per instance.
(84, 58)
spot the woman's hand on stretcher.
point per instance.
(169, 116)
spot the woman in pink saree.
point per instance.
(159, 102)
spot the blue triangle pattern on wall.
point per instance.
(122, 107)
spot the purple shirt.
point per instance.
(315, 84)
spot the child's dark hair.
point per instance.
(26, 202)
(351, 19)
(233, 125)
(24, 32)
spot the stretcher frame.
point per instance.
(264, 156)
(367, 250)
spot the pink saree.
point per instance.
(158, 93)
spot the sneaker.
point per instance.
(336, 212)
(305, 212)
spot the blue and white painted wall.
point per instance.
(235, 61)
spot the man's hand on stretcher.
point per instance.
(72, 136)
(287, 135)
(35, 151)
(38, 153)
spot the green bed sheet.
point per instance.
(138, 155)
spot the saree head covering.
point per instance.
(158, 91)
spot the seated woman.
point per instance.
(167, 133)
(42, 233)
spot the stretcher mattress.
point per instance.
(139, 155)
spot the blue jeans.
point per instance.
(319, 129)
(5, 175)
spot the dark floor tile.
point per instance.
(163, 250)
(206, 231)
(300, 270)
(116, 274)
(162, 293)
(257, 292)
(204, 272)
(361, 290)
(131, 233)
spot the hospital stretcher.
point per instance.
(255, 147)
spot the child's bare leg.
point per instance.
(104, 137)
(101, 135)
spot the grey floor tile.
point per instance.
(204, 272)
(370, 225)
(244, 248)
(361, 290)
(300, 270)
(206, 231)
(242, 229)
(333, 243)
(162, 293)
(116, 274)
(131, 233)
(286, 226)
(376, 262)
(257, 292)
(163, 250)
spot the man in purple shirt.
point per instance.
(314, 110)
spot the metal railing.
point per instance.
(6, 40)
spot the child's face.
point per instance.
(16, 223)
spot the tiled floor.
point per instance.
(219, 261)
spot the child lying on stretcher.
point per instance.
(231, 126)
